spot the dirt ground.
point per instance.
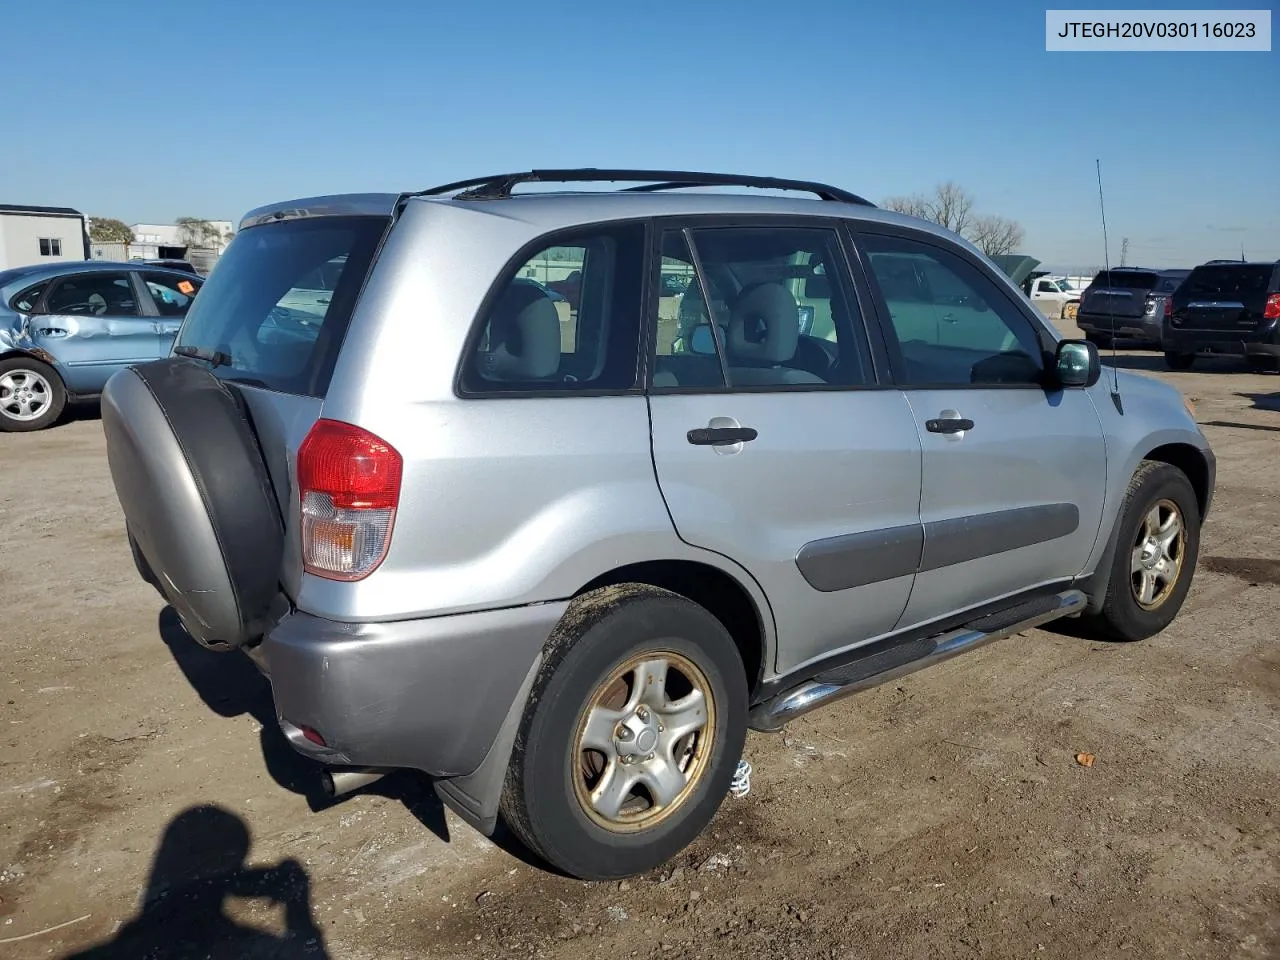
(150, 807)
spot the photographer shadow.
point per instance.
(231, 686)
(200, 863)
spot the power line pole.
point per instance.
(1124, 251)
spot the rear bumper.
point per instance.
(1263, 342)
(1146, 328)
(426, 694)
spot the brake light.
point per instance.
(349, 488)
(1272, 310)
(1168, 307)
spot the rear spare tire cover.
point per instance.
(197, 497)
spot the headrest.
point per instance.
(764, 325)
(524, 336)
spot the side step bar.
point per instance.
(880, 668)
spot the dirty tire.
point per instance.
(56, 399)
(601, 631)
(1121, 616)
(1179, 361)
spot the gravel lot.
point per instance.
(150, 807)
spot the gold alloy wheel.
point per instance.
(644, 741)
(1156, 559)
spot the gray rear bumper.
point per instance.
(425, 694)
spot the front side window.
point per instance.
(171, 295)
(761, 307)
(93, 295)
(566, 319)
(953, 324)
(50, 247)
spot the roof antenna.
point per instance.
(1106, 259)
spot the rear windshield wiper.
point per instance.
(215, 357)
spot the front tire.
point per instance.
(633, 730)
(32, 395)
(1178, 361)
(1155, 556)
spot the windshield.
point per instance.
(1236, 281)
(276, 290)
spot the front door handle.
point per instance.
(721, 436)
(948, 425)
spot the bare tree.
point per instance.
(995, 236)
(951, 206)
(914, 206)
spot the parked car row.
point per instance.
(1221, 307)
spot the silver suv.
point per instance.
(486, 499)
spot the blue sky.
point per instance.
(261, 101)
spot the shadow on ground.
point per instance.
(231, 686)
(200, 863)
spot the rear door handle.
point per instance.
(948, 425)
(721, 436)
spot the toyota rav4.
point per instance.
(559, 554)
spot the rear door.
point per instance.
(779, 449)
(93, 323)
(1013, 474)
(1223, 297)
(1120, 293)
(171, 297)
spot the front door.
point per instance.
(92, 322)
(1013, 473)
(780, 449)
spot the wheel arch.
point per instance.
(1191, 461)
(712, 588)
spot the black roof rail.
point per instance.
(499, 186)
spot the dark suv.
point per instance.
(1225, 307)
(1127, 302)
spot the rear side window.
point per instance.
(1125, 280)
(279, 303)
(567, 319)
(1228, 281)
(1168, 284)
(171, 295)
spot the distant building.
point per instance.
(40, 234)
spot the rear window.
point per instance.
(1125, 280)
(1226, 280)
(280, 300)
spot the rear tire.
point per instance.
(1179, 361)
(1149, 581)
(607, 682)
(1262, 364)
(32, 395)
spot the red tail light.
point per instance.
(349, 488)
(1272, 310)
(1168, 306)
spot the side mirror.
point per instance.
(1077, 363)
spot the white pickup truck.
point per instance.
(1056, 298)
